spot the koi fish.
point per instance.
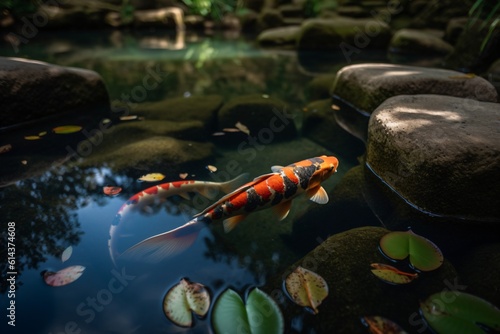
(160, 192)
(275, 190)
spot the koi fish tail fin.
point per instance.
(235, 183)
(164, 245)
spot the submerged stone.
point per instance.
(32, 90)
(343, 260)
(413, 41)
(366, 86)
(440, 153)
(282, 36)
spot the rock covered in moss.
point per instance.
(32, 90)
(266, 118)
(282, 36)
(182, 109)
(342, 34)
(438, 152)
(366, 86)
(343, 260)
(320, 87)
(417, 41)
(320, 124)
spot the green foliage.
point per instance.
(215, 9)
(19, 7)
(489, 12)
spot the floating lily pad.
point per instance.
(381, 325)
(64, 276)
(152, 177)
(423, 254)
(306, 288)
(459, 313)
(66, 129)
(183, 299)
(66, 254)
(261, 315)
(392, 275)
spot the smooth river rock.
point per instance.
(411, 41)
(366, 86)
(440, 153)
(31, 90)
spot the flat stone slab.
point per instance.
(366, 86)
(31, 90)
(440, 153)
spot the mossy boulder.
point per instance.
(366, 86)
(320, 125)
(413, 41)
(439, 153)
(341, 34)
(269, 18)
(320, 87)
(282, 36)
(267, 118)
(181, 109)
(343, 260)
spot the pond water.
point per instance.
(63, 205)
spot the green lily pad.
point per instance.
(306, 288)
(260, 315)
(183, 299)
(459, 313)
(423, 254)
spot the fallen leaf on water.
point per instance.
(106, 121)
(43, 133)
(184, 298)
(32, 137)
(24, 162)
(211, 168)
(265, 96)
(183, 175)
(5, 148)
(242, 128)
(335, 107)
(111, 190)
(152, 177)
(128, 118)
(390, 274)
(66, 254)
(380, 325)
(231, 130)
(64, 276)
(215, 134)
(306, 288)
(66, 129)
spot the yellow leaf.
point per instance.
(32, 137)
(392, 275)
(66, 129)
(306, 288)
(152, 177)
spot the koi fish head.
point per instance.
(327, 167)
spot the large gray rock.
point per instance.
(413, 41)
(342, 34)
(440, 153)
(366, 86)
(31, 90)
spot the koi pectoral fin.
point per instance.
(231, 223)
(283, 209)
(164, 245)
(318, 195)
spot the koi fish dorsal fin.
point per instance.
(318, 195)
(276, 169)
(240, 189)
(283, 209)
(230, 223)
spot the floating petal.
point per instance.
(424, 255)
(231, 130)
(335, 107)
(184, 298)
(211, 168)
(183, 175)
(217, 134)
(128, 118)
(43, 133)
(380, 325)
(111, 190)
(32, 137)
(153, 177)
(306, 288)
(391, 274)
(459, 313)
(242, 128)
(66, 129)
(66, 254)
(260, 315)
(64, 276)
(5, 148)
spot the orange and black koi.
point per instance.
(274, 190)
(158, 193)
